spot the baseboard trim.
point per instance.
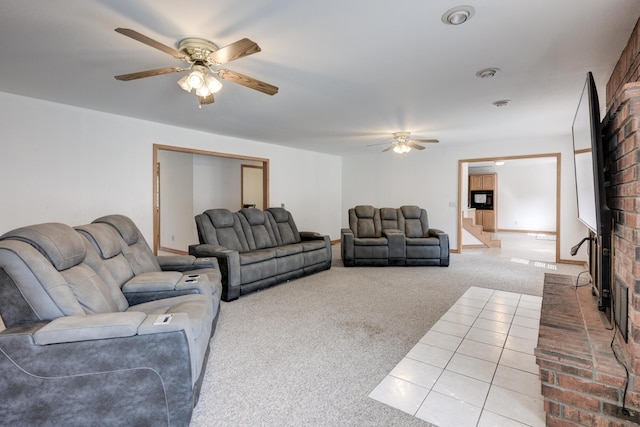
(173, 251)
(508, 230)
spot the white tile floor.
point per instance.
(475, 367)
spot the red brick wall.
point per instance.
(623, 139)
(628, 67)
(582, 382)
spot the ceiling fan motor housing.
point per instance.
(199, 50)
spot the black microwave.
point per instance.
(481, 199)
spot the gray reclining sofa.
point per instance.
(256, 249)
(390, 236)
(77, 352)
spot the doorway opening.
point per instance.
(187, 181)
(527, 204)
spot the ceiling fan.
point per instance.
(403, 143)
(202, 56)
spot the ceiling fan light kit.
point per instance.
(401, 148)
(201, 55)
(403, 143)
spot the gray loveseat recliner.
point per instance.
(76, 352)
(389, 236)
(256, 249)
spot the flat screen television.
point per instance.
(591, 189)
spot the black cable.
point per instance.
(625, 411)
(578, 280)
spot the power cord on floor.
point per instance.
(625, 411)
(578, 280)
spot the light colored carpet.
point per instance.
(309, 352)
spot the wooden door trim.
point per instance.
(156, 201)
(557, 156)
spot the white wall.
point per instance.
(216, 183)
(61, 163)
(176, 200)
(527, 195)
(66, 164)
(429, 179)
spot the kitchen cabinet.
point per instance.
(482, 182)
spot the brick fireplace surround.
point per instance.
(582, 382)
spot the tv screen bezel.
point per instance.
(589, 100)
(600, 234)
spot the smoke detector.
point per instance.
(501, 102)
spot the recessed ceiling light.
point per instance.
(499, 162)
(487, 73)
(458, 15)
(501, 103)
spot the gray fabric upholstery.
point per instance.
(365, 221)
(390, 236)
(106, 255)
(284, 227)
(138, 250)
(257, 248)
(415, 221)
(221, 227)
(257, 228)
(141, 257)
(73, 334)
(389, 219)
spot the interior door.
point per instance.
(252, 186)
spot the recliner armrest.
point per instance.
(184, 262)
(435, 232)
(311, 235)
(89, 327)
(229, 264)
(348, 246)
(208, 250)
(444, 245)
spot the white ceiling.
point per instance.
(350, 72)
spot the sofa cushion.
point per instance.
(313, 245)
(253, 257)
(257, 228)
(286, 250)
(389, 218)
(103, 238)
(62, 246)
(378, 241)
(415, 221)
(137, 251)
(224, 229)
(125, 227)
(284, 228)
(365, 221)
(74, 290)
(423, 241)
(221, 218)
(104, 254)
